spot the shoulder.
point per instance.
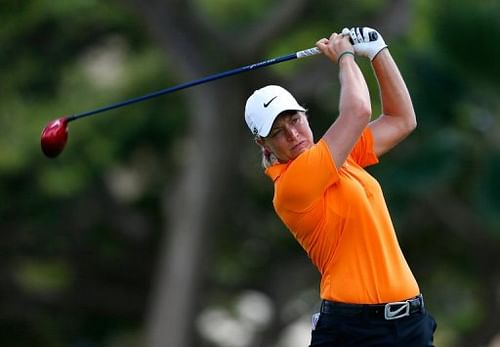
(301, 182)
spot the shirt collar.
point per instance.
(275, 171)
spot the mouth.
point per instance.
(300, 147)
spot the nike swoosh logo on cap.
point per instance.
(267, 103)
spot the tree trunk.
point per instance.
(191, 211)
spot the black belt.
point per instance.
(388, 311)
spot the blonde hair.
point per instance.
(268, 158)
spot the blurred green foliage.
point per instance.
(79, 234)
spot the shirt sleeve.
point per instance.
(363, 152)
(306, 179)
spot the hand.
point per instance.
(336, 46)
(367, 42)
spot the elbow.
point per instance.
(411, 123)
(362, 111)
(358, 110)
(366, 112)
(408, 126)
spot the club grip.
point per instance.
(307, 52)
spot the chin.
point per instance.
(299, 150)
(304, 146)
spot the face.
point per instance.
(289, 136)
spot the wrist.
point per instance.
(344, 54)
(372, 58)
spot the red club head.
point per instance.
(54, 137)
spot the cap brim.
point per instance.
(266, 129)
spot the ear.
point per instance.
(260, 141)
(262, 144)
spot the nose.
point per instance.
(292, 133)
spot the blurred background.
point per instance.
(155, 226)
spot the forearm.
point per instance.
(395, 98)
(398, 117)
(354, 100)
(354, 112)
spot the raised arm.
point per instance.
(398, 118)
(354, 102)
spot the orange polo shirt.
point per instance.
(340, 218)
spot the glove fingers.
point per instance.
(347, 32)
(355, 37)
(363, 34)
(359, 34)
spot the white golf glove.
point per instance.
(367, 42)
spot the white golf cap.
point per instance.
(265, 104)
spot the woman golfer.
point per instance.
(335, 209)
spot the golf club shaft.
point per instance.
(296, 55)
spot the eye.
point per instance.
(295, 119)
(275, 132)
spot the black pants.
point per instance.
(363, 327)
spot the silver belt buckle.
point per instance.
(396, 310)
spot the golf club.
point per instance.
(55, 134)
